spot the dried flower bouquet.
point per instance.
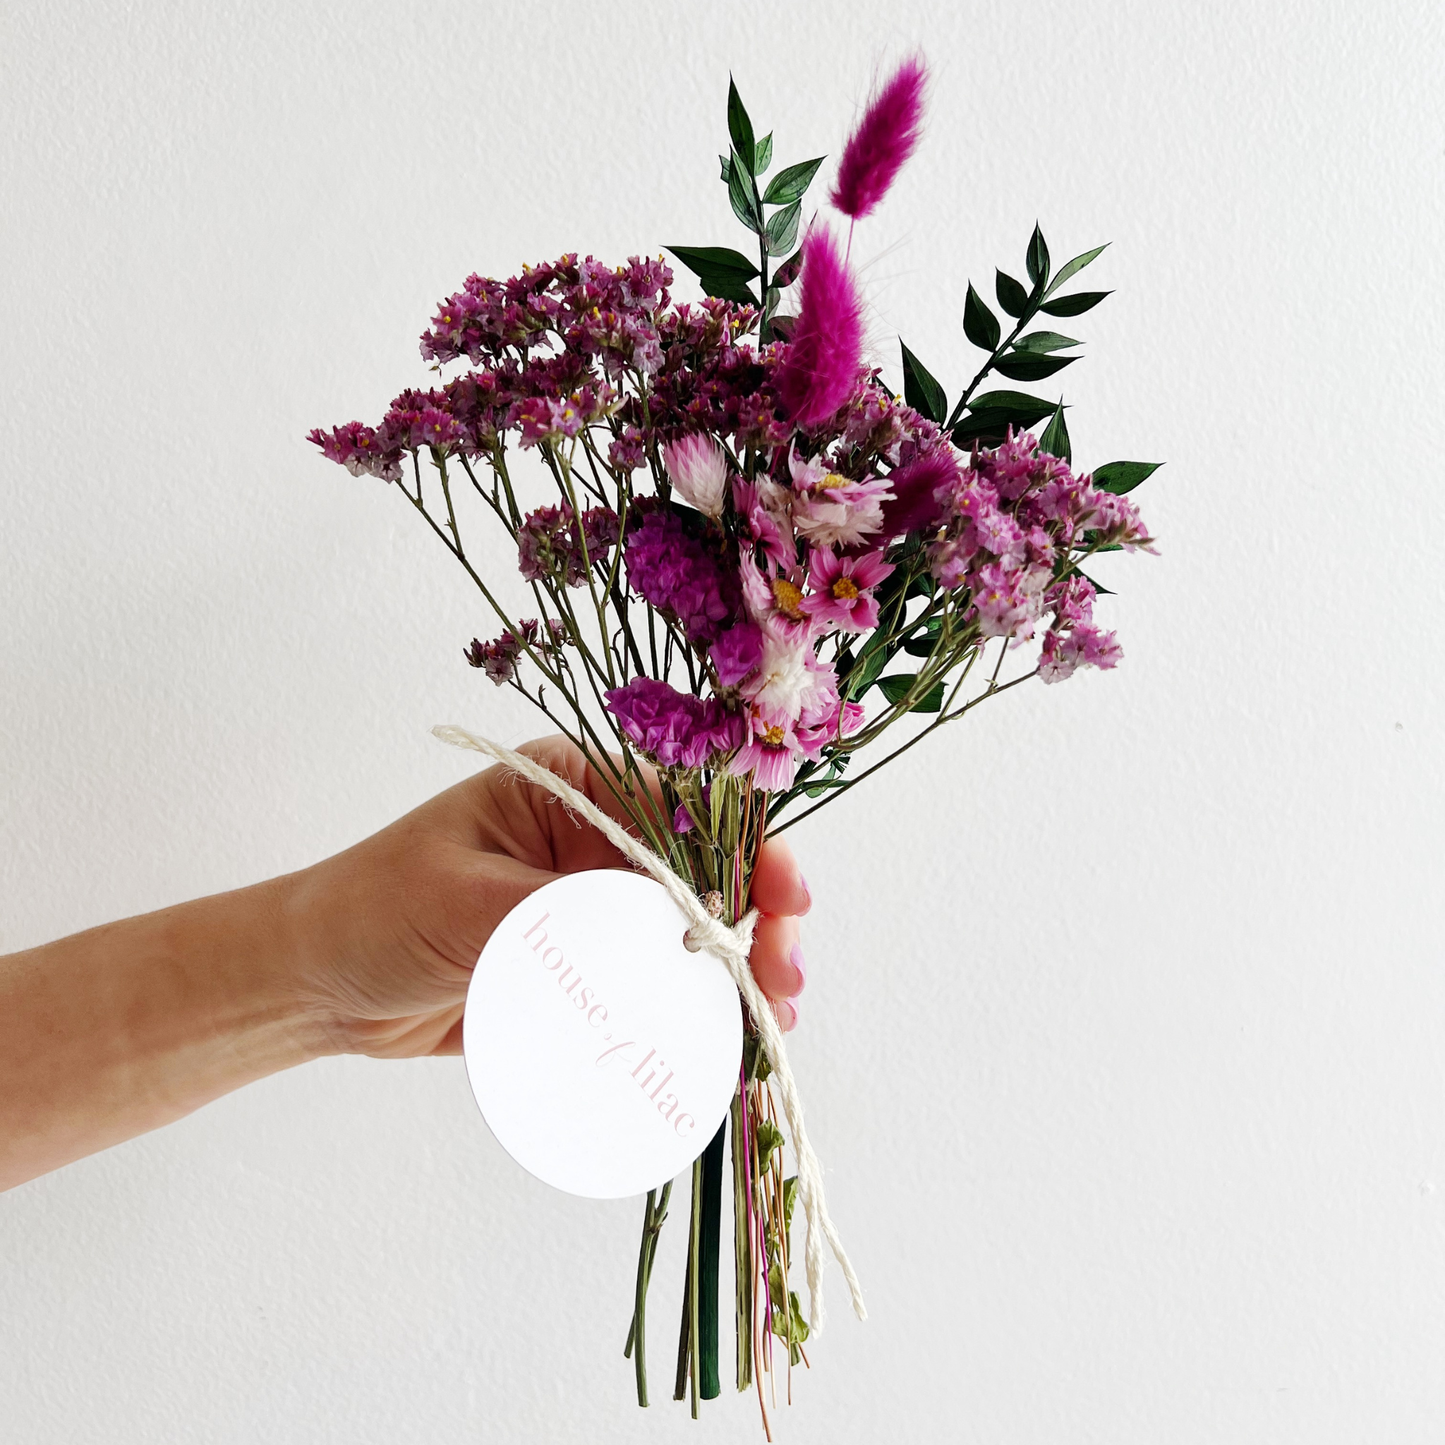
(753, 562)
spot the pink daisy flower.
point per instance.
(842, 589)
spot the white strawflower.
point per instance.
(699, 472)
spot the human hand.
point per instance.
(390, 930)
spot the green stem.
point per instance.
(711, 1219)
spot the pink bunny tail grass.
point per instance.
(820, 370)
(885, 138)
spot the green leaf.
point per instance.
(1098, 587)
(923, 646)
(1075, 266)
(1055, 440)
(763, 154)
(782, 229)
(783, 326)
(740, 193)
(727, 286)
(1026, 366)
(1075, 305)
(723, 162)
(920, 390)
(770, 1139)
(1037, 259)
(1044, 341)
(818, 789)
(740, 128)
(871, 662)
(790, 184)
(991, 414)
(897, 686)
(790, 1195)
(1011, 294)
(787, 273)
(1121, 477)
(1013, 403)
(714, 258)
(980, 325)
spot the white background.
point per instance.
(1122, 1040)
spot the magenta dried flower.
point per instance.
(821, 362)
(674, 728)
(680, 576)
(882, 141)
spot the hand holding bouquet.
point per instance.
(746, 560)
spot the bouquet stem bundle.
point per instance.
(745, 559)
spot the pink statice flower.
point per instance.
(1007, 600)
(841, 594)
(699, 472)
(1072, 601)
(1085, 646)
(882, 141)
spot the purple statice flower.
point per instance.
(675, 729)
(498, 658)
(820, 365)
(359, 450)
(680, 575)
(841, 595)
(549, 543)
(882, 141)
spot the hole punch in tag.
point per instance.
(603, 1053)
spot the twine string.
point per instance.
(732, 945)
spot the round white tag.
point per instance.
(602, 1053)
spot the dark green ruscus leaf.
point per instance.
(1055, 440)
(980, 325)
(1027, 366)
(790, 183)
(782, 229)
(1075, 305)
(740, 193)
(920, 390)
(1075, 266)
(1121, 477)
(763, 154)
(740, 128)
(1011, 294)
(1037, 259)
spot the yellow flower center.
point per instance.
(845, 589)
(773, 737)
(788, 596)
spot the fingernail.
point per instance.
(795, 957)
(787, 1015)
(807, 893)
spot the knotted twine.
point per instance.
(732, 945)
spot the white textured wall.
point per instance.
(1129, 1074)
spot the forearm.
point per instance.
(116, 1031)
